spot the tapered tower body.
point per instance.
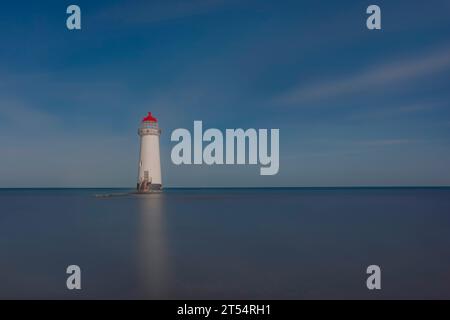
(149, 177)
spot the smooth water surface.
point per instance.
(225, 243)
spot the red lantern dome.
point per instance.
(149, 118)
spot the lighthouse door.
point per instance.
(146, 177)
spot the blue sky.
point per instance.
(354, 107)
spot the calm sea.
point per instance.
(225, 243)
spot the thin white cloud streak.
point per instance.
(397, 111)
(398, 72)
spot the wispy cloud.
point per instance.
(403, 71)
(396, 111)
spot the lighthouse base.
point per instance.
(148, 187)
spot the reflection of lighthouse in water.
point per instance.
(154, 265)
(149, 160)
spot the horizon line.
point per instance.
(248, 187)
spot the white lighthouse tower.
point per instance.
(149, 177)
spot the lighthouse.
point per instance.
(149, 177)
